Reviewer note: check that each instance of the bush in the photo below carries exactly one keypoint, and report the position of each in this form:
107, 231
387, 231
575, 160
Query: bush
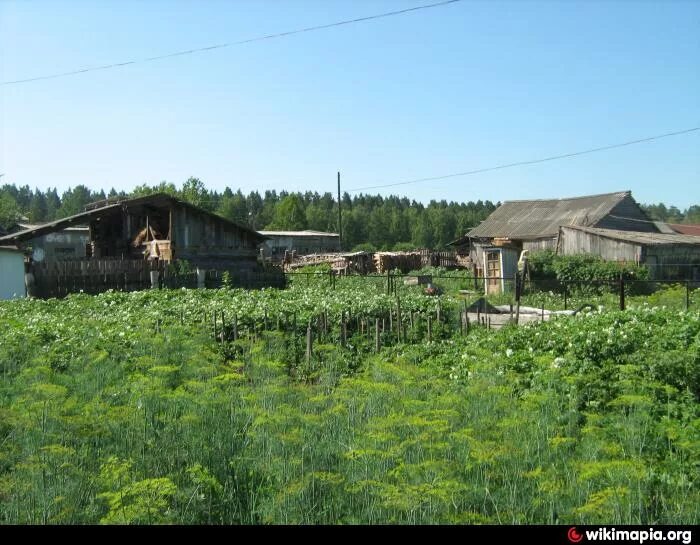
404, 247
365, 247
584, 272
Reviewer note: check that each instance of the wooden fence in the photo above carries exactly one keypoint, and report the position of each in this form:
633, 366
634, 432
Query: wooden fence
447, 259
59, 278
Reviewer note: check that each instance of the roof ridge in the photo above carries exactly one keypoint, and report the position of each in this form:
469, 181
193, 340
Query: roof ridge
621, 194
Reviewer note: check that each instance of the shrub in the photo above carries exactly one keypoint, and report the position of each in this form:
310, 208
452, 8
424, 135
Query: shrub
584, 272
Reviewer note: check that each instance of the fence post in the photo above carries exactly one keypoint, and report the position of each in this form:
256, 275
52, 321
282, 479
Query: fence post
622, 292
376, 335
687, 294
398, 318
565, 297
309, 342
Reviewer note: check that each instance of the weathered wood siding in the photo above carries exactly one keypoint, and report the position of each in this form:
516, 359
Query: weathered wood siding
202, 238
673, 261
627, 216
573, 241
540, 244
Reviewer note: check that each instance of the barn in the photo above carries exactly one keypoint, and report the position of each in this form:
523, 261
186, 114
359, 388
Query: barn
156, 227
496, 243
667, 256
130, 238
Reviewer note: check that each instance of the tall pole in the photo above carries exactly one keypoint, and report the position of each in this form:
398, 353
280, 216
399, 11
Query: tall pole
340, 217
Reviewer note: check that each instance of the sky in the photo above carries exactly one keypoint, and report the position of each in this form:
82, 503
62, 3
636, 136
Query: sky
465, 86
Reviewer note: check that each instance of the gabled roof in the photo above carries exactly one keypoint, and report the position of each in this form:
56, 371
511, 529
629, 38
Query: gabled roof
637, 237
542, 218
157, 199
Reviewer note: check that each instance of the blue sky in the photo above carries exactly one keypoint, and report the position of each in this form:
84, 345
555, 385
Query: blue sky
465, 86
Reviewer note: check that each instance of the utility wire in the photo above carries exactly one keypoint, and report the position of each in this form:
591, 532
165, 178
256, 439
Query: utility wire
231, 44
523, 163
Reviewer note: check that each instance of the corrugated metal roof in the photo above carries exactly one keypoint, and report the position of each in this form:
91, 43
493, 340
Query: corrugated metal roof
686, 229
542, 218
637, 237
297, 234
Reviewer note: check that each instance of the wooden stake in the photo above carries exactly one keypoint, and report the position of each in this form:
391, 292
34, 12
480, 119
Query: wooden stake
309, 343
398, 318
376, 335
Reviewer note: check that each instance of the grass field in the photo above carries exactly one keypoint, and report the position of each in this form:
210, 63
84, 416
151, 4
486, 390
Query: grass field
123, 408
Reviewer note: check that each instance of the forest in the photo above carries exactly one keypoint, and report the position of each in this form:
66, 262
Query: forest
370, 222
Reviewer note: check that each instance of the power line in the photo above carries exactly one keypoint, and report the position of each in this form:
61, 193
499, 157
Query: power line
523, 163
231, 44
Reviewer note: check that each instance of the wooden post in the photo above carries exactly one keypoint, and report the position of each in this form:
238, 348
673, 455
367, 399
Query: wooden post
542, 316
343, 331
622, 292
467, 322
265, 321
223, 327
235, 327
518, 290
376, 335
309, 342
687, 294
398, 318
430, 328
566, 297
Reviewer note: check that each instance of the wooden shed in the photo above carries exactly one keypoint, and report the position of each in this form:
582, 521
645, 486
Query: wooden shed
278, 243
534, 224
668, 256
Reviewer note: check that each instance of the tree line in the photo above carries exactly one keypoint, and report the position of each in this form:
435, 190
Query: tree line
369, 221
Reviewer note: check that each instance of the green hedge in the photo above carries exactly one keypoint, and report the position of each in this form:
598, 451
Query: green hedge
583, 272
